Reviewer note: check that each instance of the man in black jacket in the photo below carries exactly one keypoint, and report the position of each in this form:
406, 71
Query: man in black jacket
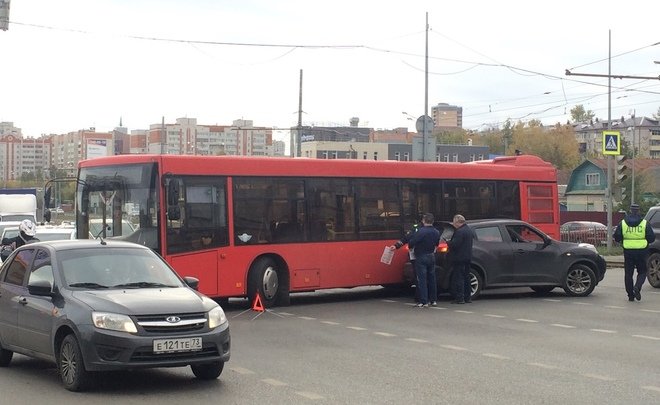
425, 242
460, 257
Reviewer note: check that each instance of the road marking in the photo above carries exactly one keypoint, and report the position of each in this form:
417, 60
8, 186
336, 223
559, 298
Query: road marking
603, 330
650, 310
651, 388
389, 301
385, 334
307, 318
614, 307
599, 377
241, 370
275, 383
460, 311
355, 328
309, 395
330, 323
496, 356
582, 303
526, 320
438, 308
494, 316
559, 325
551, 300
646, 337
417, 340
285, 313
452, 347
542, 365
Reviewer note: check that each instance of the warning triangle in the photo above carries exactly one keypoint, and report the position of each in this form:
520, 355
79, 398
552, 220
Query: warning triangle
257, 305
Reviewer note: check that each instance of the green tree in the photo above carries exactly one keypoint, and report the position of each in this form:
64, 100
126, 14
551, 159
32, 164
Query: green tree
556, 145
579, 114
493, 140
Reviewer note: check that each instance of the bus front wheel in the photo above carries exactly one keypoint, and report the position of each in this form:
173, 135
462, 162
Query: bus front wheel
266, 279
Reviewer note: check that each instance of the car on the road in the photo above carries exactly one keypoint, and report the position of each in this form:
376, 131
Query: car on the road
594, 233
100, 305
652, 218
513, 253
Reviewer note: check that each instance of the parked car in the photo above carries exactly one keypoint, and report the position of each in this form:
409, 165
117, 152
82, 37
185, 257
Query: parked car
100, 305
513, 253
652, 218
584, 231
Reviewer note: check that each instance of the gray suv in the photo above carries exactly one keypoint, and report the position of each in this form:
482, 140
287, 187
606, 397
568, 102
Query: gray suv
652, 218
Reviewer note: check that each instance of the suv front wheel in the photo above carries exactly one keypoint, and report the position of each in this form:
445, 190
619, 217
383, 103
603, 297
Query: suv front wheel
653, 266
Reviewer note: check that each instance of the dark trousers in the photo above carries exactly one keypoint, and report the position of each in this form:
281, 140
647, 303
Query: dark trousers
634, 258
462, 290
427, 286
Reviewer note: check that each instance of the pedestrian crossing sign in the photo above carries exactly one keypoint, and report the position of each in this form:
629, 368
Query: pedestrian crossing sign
611, 143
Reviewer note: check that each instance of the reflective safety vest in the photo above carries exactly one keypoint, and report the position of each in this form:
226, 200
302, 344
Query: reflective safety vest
634, 237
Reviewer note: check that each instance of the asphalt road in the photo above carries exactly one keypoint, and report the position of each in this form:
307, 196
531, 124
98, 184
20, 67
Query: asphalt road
366, 346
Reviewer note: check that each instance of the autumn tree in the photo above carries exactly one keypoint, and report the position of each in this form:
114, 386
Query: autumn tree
579, 114
556, 145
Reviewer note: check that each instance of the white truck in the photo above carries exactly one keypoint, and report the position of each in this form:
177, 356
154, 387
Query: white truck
17, 207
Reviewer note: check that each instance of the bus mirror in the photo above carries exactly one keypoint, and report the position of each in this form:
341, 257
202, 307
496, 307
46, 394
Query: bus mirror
47, 195
173, 213
173, 191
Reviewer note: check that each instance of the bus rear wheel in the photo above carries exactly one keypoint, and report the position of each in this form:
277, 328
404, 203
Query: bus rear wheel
266, 279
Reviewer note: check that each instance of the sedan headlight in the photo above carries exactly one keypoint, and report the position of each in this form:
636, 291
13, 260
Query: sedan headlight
216, 317
118, 322
588, 246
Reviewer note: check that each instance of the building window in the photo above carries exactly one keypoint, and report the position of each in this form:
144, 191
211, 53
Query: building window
397, 155
454, 157
364, 155
481, 157
334, 155
445, 157
375, 155
406, 157
324, 155
472, 157
592, 179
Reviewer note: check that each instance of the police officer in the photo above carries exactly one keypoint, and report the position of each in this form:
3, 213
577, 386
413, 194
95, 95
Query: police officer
635, 236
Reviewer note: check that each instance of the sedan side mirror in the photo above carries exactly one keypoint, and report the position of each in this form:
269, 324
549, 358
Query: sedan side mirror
41, 288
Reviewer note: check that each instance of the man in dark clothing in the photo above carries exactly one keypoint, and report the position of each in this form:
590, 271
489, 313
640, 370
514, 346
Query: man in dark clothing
460, 257
635, 235
424, 242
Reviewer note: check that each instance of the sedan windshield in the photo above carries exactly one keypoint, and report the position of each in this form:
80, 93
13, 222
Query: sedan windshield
105, 267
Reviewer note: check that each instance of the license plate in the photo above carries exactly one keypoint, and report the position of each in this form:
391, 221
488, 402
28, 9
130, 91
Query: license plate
177, 345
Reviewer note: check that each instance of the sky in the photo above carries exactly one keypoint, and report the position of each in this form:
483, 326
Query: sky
74, 64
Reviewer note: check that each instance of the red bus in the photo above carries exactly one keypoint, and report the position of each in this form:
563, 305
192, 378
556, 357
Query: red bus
248, 225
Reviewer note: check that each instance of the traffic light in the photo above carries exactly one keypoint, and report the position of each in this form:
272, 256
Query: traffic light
621, 169
619, 193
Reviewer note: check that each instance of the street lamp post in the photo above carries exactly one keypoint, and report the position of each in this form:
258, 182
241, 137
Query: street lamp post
632, 161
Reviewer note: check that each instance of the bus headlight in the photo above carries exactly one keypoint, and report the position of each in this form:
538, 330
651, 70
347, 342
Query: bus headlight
216, 317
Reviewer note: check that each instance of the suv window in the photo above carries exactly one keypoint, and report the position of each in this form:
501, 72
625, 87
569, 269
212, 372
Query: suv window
488, 234
653, 217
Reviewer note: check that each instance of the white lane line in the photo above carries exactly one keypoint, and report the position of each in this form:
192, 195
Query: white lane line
241, 370
389, 301
309, 395
614, 307
438, 308
542, 365
355, 328
560, 325
385, 334
410, 304
330, 323
417, 340
307, 318
651, 388
599, 377
285, 313
460, 311
551, 300
650, 310
495, 356
582, 303
526, 320
603, 330
452, 347
494, 316
646, 337
274, 383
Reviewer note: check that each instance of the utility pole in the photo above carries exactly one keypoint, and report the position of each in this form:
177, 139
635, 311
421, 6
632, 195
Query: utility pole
296, 144
425, 135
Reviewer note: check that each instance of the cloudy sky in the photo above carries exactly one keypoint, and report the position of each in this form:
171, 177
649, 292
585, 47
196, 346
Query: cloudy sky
73, 64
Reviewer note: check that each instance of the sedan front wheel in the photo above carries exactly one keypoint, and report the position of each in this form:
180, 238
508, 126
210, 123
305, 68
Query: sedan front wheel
579, 281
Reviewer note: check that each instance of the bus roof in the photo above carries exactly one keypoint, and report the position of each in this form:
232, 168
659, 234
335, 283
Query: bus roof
522, 167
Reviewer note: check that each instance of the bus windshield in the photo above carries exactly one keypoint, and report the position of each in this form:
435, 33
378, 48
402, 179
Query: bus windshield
118, 202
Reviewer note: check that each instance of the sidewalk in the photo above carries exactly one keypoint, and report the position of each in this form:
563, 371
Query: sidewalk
614, 261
